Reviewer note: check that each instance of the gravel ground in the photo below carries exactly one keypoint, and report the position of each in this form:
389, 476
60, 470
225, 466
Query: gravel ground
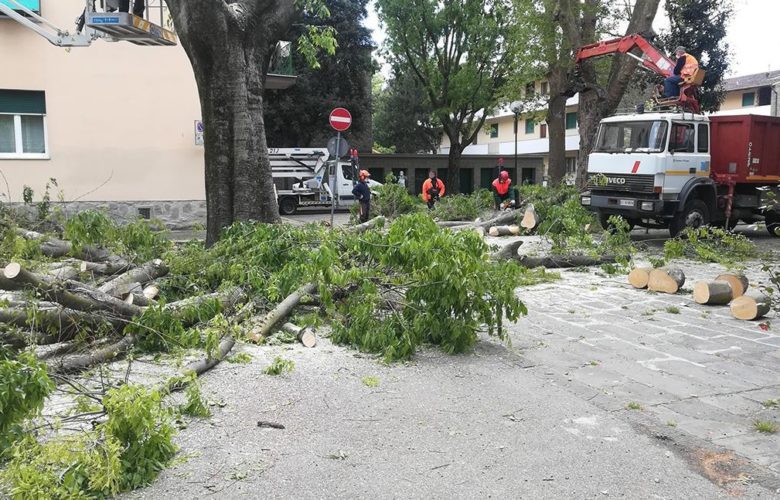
472, 426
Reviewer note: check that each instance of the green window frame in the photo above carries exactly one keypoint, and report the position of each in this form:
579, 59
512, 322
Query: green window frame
530, 126
571, 120
23, 132
748, 99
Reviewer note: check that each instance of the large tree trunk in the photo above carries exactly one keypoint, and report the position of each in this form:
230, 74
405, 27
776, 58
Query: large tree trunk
229, 46
453, 168
556, 127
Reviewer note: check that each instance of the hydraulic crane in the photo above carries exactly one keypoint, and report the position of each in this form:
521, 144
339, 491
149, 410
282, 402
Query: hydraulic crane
652, 59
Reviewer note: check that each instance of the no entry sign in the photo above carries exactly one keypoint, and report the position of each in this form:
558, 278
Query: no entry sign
340, 119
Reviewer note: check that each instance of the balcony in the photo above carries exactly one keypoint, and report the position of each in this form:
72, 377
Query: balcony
280, 71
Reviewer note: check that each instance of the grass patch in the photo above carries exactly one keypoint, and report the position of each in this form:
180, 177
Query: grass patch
766, 427
279, 366
242, 358
633, 405
370, 381
673, 310
771, 403
671, 423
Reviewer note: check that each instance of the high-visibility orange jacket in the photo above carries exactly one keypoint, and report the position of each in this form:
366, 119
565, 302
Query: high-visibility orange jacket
502, 188
691, 65
427, 185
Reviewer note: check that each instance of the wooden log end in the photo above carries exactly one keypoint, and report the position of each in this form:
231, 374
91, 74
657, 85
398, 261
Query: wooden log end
639, 276
739, 283
12, 270
307, 337
750, 307
666, 280
712, 292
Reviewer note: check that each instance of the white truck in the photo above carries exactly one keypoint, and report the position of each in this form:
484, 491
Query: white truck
302, 178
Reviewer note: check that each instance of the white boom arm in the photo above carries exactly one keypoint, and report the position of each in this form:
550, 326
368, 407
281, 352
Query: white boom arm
51, 32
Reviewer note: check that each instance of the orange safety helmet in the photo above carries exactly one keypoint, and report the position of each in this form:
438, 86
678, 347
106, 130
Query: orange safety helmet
364, 174
504, 175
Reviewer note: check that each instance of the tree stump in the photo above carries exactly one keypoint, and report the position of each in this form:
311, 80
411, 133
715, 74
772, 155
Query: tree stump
739, 283
751, 306
666, 280
639, 277
530, 218
712, 292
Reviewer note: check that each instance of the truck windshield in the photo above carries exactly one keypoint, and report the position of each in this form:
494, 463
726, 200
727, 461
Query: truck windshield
632, 137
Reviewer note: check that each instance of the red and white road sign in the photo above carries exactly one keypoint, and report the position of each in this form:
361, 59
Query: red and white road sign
340, 119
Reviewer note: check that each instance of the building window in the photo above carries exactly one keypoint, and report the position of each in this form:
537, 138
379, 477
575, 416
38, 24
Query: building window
530, 89
571, 120
748, 99
23, 124
493, 130
765, 96
543, 130
545, 88
529, 126
571, 166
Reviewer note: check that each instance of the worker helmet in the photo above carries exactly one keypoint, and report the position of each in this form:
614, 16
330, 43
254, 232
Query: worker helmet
504, 175
364, 174
680, 48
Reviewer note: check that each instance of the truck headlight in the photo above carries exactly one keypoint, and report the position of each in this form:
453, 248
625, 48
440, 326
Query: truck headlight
647, 205
585, 200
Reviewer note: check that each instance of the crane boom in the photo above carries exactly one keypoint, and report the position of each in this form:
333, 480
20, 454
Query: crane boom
651, 57
58, 37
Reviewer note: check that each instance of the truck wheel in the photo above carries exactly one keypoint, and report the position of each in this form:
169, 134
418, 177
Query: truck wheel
288, 205
604, 221
695, 215
773, 223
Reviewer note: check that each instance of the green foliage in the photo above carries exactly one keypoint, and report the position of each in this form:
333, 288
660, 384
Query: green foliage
160, 330
771, 403
195, 406
442, 290
766, 427
139, 241
13, 247
24, 385
464, 207
633, 405
772, 289
125, 452
673, 310
279, 366
710, 244
393, 200
242, 358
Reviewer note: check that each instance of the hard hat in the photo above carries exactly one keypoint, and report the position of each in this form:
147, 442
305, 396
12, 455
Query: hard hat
504, 175
364, 174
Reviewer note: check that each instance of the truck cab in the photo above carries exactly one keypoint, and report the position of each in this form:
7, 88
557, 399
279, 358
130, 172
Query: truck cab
652, 169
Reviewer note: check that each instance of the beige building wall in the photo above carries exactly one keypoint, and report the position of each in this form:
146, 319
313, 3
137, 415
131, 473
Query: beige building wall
116, 113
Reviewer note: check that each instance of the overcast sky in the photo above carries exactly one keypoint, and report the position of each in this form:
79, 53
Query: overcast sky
752, 36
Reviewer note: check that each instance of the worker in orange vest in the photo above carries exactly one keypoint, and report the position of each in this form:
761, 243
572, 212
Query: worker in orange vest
432, 189
501, 187
686, 67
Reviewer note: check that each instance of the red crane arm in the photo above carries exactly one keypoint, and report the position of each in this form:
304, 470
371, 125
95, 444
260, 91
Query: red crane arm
650, 56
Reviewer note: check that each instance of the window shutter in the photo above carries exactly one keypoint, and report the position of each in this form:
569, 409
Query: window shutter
23, 101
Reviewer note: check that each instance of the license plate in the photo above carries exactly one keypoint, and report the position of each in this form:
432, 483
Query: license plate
626, 203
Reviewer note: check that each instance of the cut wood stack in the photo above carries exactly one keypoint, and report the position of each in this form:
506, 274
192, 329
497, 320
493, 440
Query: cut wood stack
666, 280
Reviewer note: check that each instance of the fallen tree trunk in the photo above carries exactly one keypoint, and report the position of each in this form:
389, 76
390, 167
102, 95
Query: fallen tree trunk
138, 299
751, 306
283, 309
451, 223
530, 218
362, 228
564, 261
739, 283
504, 231
151, 292
52, 324
305, 335
507, 251
79, 362
666, 280
112, 266
639, 277
198, 368
144, 273
71, 294
226, 299
64, 273
55, 248
712, 292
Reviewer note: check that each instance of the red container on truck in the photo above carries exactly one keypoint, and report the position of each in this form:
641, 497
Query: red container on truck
746, 146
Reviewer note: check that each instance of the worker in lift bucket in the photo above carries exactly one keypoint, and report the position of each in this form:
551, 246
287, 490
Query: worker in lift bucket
685, 68
432, 189
363, 195
124, 6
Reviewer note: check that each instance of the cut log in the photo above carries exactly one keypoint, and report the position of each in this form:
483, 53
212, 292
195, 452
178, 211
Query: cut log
530, 218
138, 299
79, 362
751, 306
71, 294
712, 292
151, 292
306, 336
504, 231
450, 223
739, 283
639, 276
361, 228
64, 273
144, 273
52, 247
113, 265
52, 323
666, 280
227, 299
507, 251
501, 220
198, 368
282, 310
564, 261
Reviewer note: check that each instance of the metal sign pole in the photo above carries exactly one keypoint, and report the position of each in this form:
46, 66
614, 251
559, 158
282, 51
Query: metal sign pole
333, 181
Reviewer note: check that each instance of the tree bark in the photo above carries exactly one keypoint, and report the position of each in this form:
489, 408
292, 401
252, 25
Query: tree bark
712, 292
556, 127
142, 274
229, 46
79, 362
453, 167
279, 312
752, 306
666, 280
739, 283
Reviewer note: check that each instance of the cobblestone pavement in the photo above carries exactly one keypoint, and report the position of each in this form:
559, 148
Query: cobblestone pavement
698, 375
